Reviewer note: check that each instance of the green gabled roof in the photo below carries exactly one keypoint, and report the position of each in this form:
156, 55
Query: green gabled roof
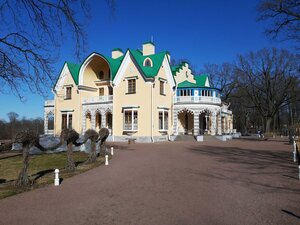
187, 84
157, 60
114, 65
200, 80
149, 42
175, 69
74, 70
117, 49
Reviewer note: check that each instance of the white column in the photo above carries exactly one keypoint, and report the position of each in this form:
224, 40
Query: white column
214, 123
45, 122
175, 121
206, 125
83, 122
103, 120
220, 123
93, 118
196, 123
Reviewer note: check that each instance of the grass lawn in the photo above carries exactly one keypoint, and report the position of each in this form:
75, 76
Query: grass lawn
41, 170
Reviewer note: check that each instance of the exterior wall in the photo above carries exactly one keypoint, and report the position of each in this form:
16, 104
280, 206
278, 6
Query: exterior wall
184, 74
141, 99
162, 101
66, 105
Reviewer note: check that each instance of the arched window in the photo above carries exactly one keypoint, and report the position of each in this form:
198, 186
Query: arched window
148, 62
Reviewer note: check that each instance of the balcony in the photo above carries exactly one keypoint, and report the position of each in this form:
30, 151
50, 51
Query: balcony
98, 99
49, 103
196, 99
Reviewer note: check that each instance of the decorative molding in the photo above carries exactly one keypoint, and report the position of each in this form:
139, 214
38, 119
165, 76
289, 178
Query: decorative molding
87, 88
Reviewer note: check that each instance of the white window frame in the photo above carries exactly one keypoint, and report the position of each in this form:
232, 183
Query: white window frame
131, 78
164, 87
164, 129
65, 90
134, 126
145, 60
68, 114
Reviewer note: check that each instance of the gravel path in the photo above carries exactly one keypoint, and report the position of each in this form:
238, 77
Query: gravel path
184, 183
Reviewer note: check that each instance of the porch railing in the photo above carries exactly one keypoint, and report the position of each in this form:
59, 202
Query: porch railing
98, 99
196, 99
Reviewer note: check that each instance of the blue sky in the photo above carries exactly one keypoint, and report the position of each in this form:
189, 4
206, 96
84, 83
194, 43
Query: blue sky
212, 31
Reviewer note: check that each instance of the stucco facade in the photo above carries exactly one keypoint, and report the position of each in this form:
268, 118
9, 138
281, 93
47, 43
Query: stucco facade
136, 94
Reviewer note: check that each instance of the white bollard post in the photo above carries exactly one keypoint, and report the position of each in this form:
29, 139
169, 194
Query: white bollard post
112, 150
295, 148
299, 171
106, 160
56, 179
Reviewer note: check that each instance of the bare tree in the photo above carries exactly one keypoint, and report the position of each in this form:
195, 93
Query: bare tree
70, 136
222, 77
285, 18
27, 139
32, 31
93, 136
103, 135
266, 77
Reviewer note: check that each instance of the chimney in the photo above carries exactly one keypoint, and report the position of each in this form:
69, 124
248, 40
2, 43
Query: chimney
148, 48
116, 53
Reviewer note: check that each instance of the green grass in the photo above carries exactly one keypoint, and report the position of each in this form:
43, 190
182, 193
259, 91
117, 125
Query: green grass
41, 170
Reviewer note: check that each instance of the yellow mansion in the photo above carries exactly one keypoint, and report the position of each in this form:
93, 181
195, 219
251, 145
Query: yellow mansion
135, 94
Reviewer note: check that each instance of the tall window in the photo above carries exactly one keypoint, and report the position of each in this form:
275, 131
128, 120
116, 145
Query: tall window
66, 121
130, 120
68, 93
50, 121
110, 90
163, 120
131, 86
162, 87
70, 121
101, 91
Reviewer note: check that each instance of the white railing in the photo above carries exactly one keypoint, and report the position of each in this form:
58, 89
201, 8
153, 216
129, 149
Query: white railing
49, 103
98, 99
196, 99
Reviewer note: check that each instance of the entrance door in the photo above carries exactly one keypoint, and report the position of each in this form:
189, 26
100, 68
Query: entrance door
185, 122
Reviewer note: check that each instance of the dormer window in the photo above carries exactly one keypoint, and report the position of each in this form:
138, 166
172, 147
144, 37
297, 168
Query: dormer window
100, 75
148, 62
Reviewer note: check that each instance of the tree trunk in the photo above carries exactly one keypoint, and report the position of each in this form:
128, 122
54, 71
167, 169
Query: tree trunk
23, 179
70, 165
268, 124
93, 155
103, 148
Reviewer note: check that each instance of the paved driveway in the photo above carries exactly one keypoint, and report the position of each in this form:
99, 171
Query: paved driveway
234, 182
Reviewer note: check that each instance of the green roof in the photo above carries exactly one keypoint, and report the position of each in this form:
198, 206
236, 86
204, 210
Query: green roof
175, 69
74, 70
114, 65
149, 42
200, 82
117, 49
157, 60
187, 84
